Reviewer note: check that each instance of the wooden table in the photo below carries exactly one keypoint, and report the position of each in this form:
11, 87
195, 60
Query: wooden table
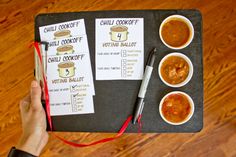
218, 137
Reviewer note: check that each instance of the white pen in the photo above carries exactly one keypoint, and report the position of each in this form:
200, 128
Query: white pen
139, 104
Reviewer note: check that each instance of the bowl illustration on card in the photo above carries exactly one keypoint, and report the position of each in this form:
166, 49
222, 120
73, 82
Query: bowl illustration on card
119, 33
62, 34
65, 49
66, 69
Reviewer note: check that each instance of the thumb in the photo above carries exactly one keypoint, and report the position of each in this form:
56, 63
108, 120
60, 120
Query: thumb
35, 96
24, 105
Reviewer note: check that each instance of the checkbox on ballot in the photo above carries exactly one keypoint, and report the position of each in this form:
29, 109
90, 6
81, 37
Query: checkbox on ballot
123, 53
73, 88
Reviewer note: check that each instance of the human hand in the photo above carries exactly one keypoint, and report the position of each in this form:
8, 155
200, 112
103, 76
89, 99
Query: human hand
33, 116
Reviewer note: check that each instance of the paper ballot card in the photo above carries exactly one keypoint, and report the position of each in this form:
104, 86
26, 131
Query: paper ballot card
69, 84
62, 30
68, 68
119, 48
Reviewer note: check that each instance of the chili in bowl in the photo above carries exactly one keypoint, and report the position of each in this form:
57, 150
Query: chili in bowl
176, 108
176, 32
175, 69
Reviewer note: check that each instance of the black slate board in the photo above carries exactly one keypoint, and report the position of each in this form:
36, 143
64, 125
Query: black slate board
114, 100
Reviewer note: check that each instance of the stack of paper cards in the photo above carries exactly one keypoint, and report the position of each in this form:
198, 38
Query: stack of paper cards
119, 48
68, 68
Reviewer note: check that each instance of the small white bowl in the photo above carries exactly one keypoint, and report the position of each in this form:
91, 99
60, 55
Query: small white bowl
191, 104
190, 73
184, 19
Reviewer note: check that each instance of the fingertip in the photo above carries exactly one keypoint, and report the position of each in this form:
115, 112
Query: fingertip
35, 88
35, 96
34, 84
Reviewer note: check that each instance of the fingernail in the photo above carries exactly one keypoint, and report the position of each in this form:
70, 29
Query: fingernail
23, 102
34, 84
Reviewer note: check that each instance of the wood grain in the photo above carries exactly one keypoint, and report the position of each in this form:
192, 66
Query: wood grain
218, 137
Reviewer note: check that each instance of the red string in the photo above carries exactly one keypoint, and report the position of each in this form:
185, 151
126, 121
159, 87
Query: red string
139, 123
121, 131
36, 45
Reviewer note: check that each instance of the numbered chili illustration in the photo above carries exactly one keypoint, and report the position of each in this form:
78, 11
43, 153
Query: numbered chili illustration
66, 69
119, 33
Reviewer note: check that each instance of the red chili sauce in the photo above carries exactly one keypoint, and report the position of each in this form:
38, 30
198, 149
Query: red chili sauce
176, 108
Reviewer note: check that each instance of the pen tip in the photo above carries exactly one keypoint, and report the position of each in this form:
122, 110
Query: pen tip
154, 51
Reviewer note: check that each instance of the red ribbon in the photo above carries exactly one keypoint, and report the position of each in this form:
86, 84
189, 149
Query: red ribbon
139, 123
36, 45
121, 131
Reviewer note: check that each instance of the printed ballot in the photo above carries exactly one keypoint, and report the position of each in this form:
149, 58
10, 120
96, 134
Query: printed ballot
67, 67
119, 42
